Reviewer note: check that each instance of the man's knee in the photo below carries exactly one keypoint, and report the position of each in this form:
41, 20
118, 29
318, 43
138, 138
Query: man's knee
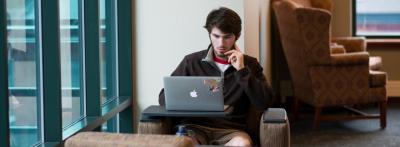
239, 141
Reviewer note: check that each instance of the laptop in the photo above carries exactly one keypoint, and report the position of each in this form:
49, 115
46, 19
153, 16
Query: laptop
193, 93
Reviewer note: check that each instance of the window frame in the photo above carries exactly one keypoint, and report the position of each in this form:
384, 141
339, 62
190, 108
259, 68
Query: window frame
124, 59
51, 69
354, 26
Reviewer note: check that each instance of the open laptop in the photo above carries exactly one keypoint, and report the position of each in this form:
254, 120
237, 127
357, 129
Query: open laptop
193, 93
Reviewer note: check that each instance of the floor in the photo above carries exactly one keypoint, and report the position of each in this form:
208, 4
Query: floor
356, 133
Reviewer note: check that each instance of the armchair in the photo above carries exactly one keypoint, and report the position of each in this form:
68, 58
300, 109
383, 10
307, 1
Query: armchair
273, 131
322, 77
349, 44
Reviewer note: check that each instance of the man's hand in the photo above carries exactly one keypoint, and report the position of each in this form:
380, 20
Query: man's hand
235, 57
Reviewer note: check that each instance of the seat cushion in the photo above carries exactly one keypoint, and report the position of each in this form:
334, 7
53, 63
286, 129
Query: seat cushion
377, 78
100, 139
375, 63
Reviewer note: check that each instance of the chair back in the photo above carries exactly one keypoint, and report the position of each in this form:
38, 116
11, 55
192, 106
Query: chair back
322, 4
305, 36
293, 46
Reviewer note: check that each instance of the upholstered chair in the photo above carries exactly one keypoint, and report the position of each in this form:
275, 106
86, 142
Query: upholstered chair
268, 131
342, 44
323, 73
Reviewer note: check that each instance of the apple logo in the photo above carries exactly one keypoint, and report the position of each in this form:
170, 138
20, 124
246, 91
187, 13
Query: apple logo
193, 94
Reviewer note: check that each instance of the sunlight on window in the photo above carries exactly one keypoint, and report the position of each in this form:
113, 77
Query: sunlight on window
107, 51
23, 100
71, 56
378, 18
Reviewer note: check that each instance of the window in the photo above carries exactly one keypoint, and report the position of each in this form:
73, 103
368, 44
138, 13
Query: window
376, 18
70, 57
107, 50
24, 106
63, 66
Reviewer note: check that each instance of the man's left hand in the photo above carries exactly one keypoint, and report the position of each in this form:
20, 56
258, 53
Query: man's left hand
235, 57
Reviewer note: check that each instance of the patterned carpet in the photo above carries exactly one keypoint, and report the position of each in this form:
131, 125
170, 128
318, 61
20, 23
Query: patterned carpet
356, 133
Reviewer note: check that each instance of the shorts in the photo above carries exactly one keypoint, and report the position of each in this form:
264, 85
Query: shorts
213, 136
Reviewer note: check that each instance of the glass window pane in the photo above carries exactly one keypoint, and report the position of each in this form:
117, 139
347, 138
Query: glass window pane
378, 18
70, 56
23, 99
107, 51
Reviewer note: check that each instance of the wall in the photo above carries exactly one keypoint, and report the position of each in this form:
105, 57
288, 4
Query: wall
265, 37
165, 32
257, 29
251, 30
341, 18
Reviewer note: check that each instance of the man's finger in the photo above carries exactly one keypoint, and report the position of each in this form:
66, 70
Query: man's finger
230, 52
232, 58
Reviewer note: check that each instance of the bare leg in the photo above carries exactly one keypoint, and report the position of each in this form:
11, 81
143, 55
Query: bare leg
239, 141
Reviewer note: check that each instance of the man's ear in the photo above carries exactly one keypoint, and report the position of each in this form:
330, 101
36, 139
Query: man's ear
237, 36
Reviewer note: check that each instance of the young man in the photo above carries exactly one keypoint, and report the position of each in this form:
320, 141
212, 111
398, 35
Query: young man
244, 83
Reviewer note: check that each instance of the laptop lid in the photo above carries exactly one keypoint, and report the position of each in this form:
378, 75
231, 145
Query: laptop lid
193, 93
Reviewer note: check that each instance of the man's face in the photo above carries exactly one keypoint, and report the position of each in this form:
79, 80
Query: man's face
222, 42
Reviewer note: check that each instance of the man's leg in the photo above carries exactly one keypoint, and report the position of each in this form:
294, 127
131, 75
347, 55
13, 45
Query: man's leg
216, 136
230, 137
197, 135
194, 140
239, 139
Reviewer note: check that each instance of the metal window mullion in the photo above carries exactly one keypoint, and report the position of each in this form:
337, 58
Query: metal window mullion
4, 116
92, 59
124, 27
51, 71
110, 54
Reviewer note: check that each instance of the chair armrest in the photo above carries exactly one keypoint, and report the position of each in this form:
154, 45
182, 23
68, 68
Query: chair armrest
98, 139
337, 49
350, 58
352, 44
154, 126
274, 128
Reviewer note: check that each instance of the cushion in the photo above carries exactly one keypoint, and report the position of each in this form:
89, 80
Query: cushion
377, 78
375, 63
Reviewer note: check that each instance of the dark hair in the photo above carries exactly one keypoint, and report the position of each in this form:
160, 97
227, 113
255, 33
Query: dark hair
227, 20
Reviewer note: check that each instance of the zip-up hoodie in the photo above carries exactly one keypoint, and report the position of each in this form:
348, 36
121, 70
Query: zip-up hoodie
242, 89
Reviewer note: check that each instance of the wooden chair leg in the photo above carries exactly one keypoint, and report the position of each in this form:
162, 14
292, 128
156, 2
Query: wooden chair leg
383, 111
317, 116
296, 108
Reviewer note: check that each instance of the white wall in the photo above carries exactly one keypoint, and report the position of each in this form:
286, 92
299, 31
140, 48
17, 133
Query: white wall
265, 37
166, 30
252, 28
257, 15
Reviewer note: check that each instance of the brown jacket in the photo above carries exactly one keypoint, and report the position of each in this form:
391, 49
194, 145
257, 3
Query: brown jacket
242, 88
